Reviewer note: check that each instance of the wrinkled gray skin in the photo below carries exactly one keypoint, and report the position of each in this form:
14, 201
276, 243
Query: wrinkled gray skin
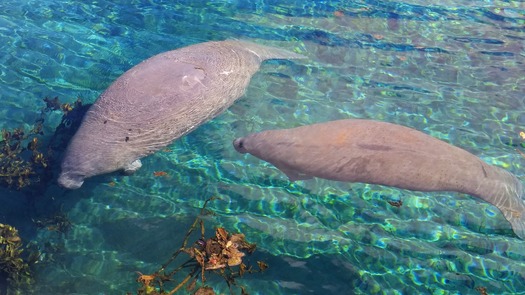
158, 101
386, 154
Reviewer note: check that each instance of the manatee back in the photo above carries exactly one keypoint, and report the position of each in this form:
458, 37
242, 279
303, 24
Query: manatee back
171, 94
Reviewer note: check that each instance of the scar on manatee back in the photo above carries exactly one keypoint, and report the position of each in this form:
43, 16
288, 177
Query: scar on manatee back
484, 171
374, 147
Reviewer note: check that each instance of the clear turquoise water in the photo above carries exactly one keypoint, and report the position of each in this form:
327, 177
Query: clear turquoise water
453, 69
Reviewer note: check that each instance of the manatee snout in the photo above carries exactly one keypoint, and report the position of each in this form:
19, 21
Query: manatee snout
238, 144
70, 180
74, 169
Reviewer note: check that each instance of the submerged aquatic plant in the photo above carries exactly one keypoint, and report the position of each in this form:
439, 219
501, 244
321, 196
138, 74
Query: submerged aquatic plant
14, 270
58, 222
20, 159
221, 254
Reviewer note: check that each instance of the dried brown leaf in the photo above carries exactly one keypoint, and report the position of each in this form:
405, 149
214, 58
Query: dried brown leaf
222, 234
262, 265
242, 269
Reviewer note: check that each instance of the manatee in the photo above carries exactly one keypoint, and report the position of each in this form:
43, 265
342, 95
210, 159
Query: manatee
158, 101
382, 153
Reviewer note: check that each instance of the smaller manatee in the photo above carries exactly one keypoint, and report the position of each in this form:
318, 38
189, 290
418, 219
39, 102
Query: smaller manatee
387, 154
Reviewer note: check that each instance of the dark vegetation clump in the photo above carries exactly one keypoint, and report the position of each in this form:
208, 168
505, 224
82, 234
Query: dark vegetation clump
28, 158
15, 273
58, 222
17, 260
21, 161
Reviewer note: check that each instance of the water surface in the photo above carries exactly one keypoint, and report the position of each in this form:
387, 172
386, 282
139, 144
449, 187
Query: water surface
452, 69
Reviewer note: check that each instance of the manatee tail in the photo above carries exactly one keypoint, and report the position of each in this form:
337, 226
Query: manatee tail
516, 214
510, 201
266, 52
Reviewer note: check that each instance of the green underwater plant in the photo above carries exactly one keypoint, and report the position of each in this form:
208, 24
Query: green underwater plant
14, 270
221, 254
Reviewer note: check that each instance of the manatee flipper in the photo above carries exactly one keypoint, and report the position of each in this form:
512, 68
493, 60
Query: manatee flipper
294, 175
509, 199
132, 167
517, 221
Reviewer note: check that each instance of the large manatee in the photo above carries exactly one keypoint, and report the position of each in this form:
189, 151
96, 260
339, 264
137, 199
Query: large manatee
383, 153
158, 101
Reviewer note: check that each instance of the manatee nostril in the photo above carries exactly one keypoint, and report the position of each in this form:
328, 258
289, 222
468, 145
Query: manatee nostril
238, 144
